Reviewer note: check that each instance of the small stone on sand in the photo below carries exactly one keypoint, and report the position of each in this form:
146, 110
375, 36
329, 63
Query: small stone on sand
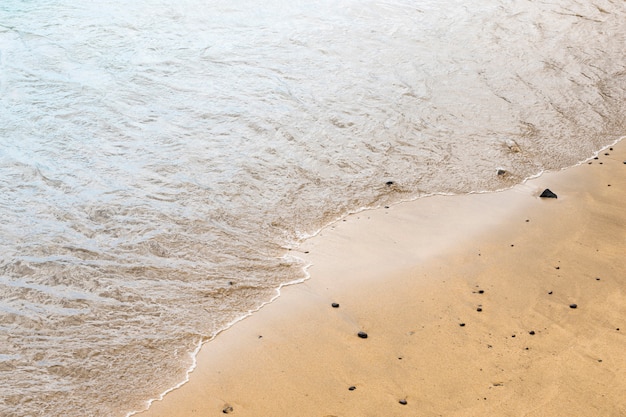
547, 194
403, 402
462, 324
532, 332
335, 305
362, 335
573, 305
228, 409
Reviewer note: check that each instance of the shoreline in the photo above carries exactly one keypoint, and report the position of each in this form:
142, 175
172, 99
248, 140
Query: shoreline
436, 254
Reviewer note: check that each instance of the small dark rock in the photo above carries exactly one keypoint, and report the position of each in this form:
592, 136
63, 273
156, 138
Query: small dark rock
547, 194
573, 305
501, 172
362, 335
610, 149
352, 388
481, 291
595, 157
462, 324
550, 292
597, 279
403, 402
389, 183
532, 332
335, 305
479, 309
228, 409
607, 154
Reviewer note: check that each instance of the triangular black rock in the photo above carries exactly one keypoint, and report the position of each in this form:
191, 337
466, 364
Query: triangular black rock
548, 194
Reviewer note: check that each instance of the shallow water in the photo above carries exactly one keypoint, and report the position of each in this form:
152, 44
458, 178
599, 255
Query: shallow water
159, 160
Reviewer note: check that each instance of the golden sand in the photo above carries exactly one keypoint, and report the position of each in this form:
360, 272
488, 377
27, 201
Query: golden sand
467, 302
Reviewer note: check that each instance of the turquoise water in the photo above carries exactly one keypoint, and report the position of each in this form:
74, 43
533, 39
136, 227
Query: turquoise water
160, 161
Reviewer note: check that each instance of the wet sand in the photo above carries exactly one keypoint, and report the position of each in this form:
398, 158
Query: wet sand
502, 304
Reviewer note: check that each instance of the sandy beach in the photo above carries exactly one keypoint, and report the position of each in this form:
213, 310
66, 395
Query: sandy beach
496, 304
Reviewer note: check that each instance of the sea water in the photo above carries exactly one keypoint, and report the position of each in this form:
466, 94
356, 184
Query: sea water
161, 160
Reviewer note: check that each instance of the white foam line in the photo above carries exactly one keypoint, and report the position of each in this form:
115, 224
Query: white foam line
307, 275
194, 354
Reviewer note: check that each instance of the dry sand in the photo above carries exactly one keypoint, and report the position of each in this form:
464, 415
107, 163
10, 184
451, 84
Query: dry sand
466, 304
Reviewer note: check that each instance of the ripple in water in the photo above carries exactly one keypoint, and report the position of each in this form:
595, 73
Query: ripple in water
159, 159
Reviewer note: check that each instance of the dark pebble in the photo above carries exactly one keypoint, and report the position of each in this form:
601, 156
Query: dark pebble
597, 279
532, 332
362, 335
501, 172
607, 154
547, 194
557, 267
479, 309
527, 220
403, 402
387, 207
573, 305
550, 292
335, 305
481, 291
228, 409
389, 183
595, 157
462, 324
610, 149
352, 388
